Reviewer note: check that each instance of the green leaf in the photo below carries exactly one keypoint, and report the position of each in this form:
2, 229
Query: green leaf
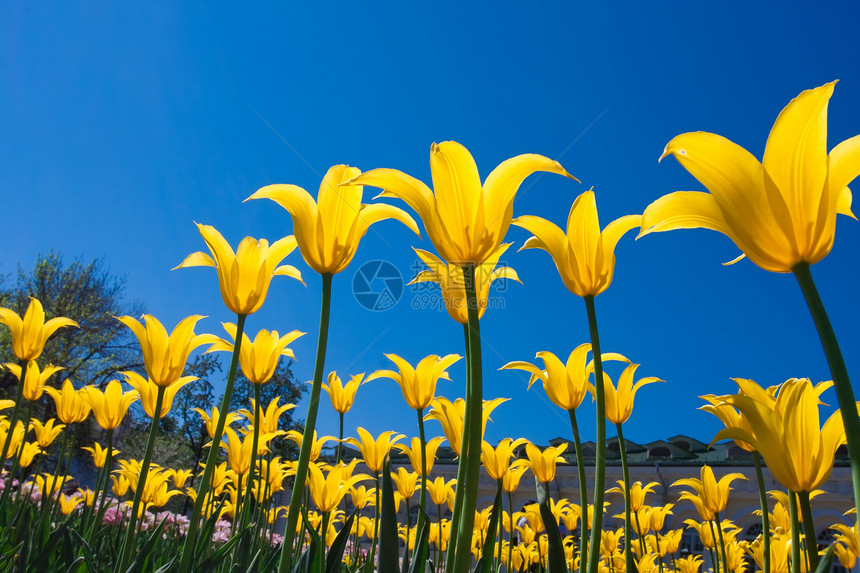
422, 546
88, 556
212, 562
485, 562
389, 542
335, 554
555, 548
144, 552
826, 560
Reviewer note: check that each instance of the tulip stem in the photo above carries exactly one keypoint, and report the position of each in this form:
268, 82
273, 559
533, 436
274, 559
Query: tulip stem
841, 381
765, 518
600, 446
310, 425
249, 487
628, 529
795, 533
722, 542
126, 553
715, 553
583, 492
808, 530
339, 440
471, 447
13, 420
189, 549
100, 513
422, 495
451, 551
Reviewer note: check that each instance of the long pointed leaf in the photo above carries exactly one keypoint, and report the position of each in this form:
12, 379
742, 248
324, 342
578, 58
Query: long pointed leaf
555, 549
422, 547
490, 544
335, 554
145, 551
389, 542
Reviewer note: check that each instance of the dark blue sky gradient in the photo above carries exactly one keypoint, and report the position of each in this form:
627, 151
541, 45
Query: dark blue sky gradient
122, 125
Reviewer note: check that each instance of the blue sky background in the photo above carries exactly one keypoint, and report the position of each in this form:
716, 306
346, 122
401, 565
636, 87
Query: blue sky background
122, 125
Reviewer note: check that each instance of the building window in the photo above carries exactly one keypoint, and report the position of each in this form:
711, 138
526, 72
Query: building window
682, 444
660, 452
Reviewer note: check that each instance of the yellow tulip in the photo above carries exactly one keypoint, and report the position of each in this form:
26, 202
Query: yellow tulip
566, 385
164, 356
269, 416
637, 493
17, 437
28, 452
671, 541
778, 212
258, 359
111, 406
452, 281
450, 415
374, 451
46, 433
418, 384
68, 504
413, 452
658, 516
543, 463
511, 478
180, 477
34, 380
148, 392
846, 557
584, 256
72, 406
619, 402
210, 421
316, 447
848, 547
342, 396
711, 495
465, 221
244, 276
328, 230
405, 481
121, 485
689, 564
497, 461
30, 333
362, 496
440, 490
99, 454
48, 484
797, 450
239, 450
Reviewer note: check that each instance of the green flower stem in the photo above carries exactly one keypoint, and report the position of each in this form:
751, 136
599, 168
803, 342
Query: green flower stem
339, 440
628, 529
808, 530
722, 542
249, 487
471, 454
461, 478
189, 548
46, 506
321, 549
841, 381
102, 507
795, 532
583, 492
310, 425
765, 518
126, 553
13, 420
511, 532
600, 453
422, 495
715, 555
372, 553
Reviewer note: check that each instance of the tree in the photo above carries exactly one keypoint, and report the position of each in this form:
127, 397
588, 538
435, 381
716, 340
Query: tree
91, 296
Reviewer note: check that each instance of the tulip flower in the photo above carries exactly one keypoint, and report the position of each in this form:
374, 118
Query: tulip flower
30, 334
497, 461
34, 380
315, 446
619, 401
374, 451
46, 433
450, 415
452, 281
413, 452
49, 484
543, 463
111, 406
68, 504
711, 495
239, 451
99, 454
342, 395
328, 231
165, 356
584, 256
259, 358
269, 416
211, 421
405, 481
418, 384
28, 452
327, 491
848, 547
72, 406
148, 392
465, 221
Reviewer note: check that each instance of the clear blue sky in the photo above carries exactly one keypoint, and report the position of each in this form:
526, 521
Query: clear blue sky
122, 125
